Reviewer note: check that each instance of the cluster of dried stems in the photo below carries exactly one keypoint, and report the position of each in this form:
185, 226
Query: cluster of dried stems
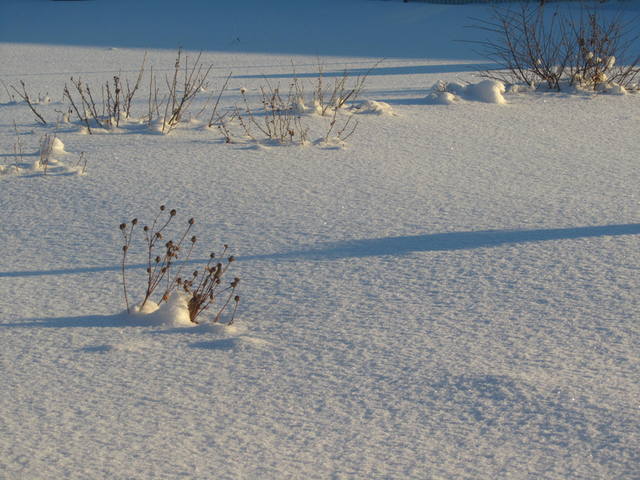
116, 99
279, 118
332, 97
203, 289
46, 147
114, 102
183, 86
561, 47
280, 115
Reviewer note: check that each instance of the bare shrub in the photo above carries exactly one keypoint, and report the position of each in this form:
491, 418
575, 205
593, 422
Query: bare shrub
116, 96
585, 48
183, 86
280, 115
600, 43
328, 97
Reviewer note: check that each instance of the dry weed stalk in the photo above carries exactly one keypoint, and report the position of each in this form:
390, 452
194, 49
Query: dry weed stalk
25, 96
18, 150
46, 148
214, 112
12, 98
194, 80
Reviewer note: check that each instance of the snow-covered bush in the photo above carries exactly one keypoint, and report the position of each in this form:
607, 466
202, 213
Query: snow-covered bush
585, 48
165, 259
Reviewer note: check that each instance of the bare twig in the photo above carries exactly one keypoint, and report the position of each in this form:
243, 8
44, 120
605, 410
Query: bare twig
25, 96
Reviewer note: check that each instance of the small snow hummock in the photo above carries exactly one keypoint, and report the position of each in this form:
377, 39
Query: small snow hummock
173, 312
488, 91
57, 146
373, 107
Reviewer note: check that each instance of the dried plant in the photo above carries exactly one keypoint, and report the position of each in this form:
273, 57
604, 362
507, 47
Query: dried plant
165, 260
326, 98
12, 98
46, 148
206, 287
279, 118
561, 47
345, 131
599, 44
178, 100
18, 149
83, 108
214, 112
82, 160
25, 97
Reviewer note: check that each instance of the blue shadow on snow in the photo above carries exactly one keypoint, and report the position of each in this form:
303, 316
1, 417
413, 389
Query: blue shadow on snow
371, 247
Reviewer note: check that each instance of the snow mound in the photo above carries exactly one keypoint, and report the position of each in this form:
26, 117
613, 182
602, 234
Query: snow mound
173, 312
373, 107
57, 147
441, 98
487, 91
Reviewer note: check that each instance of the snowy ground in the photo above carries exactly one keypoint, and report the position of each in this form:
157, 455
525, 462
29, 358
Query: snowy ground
453, 294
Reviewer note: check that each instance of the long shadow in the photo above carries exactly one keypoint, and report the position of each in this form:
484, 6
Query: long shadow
378, 71
354, 28
371, 247
460, 241
85, 321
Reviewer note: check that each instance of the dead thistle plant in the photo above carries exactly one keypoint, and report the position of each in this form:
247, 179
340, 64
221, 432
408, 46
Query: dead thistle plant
165, 260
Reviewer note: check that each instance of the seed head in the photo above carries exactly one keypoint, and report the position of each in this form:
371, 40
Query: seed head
157, 259
236, 298
134, 221
212, 255
125, 248
123, 226
232, 259
159, 235
191, 221
193, 239
162, 207
195, 273
146, 228
173, 212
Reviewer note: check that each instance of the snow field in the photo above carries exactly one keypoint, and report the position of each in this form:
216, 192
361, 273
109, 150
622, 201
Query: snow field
453, 293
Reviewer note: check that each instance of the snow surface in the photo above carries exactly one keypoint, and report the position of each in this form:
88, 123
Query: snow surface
452, 293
